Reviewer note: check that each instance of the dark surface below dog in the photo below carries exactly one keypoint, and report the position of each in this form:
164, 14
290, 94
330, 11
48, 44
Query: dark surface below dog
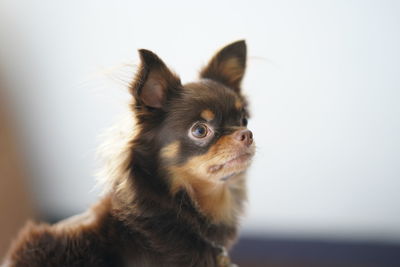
286, 252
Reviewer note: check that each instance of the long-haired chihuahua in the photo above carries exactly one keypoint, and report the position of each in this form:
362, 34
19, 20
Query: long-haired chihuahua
175, 184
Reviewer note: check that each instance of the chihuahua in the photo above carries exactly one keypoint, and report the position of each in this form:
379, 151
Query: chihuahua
176, 184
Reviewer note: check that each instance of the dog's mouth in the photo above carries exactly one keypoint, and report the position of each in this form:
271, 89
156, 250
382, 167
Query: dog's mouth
237, 164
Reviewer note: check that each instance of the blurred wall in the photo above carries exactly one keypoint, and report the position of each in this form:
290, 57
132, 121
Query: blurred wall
323, 80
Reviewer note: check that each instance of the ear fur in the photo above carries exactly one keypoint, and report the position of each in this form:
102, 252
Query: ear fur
154, 82
228, 65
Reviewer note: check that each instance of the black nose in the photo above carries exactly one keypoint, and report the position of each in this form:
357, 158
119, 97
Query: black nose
245, 136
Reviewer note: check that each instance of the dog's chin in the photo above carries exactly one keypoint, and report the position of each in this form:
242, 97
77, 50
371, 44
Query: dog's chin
232, 167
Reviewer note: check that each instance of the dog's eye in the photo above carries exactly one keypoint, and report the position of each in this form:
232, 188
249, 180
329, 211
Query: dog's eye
244, 122
199, 130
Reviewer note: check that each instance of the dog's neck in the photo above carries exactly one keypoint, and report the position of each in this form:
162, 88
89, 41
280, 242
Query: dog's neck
140, 199
138, 189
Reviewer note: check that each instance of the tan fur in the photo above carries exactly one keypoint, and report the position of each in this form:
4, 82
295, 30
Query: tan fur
238, 105
213, 196
171, 150
207, 114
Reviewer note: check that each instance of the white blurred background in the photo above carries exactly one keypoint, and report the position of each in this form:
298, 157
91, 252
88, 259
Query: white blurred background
323, 80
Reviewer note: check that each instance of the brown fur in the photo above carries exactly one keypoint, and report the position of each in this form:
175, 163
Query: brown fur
171, 199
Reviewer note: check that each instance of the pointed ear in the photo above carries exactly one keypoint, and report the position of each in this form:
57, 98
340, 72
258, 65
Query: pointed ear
228, 65
154, 82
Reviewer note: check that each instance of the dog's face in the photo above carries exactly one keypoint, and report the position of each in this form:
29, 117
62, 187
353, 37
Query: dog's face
198, 130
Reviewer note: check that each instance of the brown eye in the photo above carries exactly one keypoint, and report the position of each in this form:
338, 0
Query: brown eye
244, 122
200, 130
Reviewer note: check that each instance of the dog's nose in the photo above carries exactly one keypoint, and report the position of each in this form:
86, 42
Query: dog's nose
245, 136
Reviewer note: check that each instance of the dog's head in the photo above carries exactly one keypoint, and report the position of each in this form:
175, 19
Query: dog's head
196, 132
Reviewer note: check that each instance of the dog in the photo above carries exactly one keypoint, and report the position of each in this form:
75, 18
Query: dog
176, 185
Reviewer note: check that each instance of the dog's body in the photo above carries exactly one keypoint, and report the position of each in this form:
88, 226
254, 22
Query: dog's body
176, 185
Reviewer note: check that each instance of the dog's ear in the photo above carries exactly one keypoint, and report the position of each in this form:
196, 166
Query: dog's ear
228, 65
154, 82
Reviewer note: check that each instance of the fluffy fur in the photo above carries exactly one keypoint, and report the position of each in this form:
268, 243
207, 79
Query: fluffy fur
175, 186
